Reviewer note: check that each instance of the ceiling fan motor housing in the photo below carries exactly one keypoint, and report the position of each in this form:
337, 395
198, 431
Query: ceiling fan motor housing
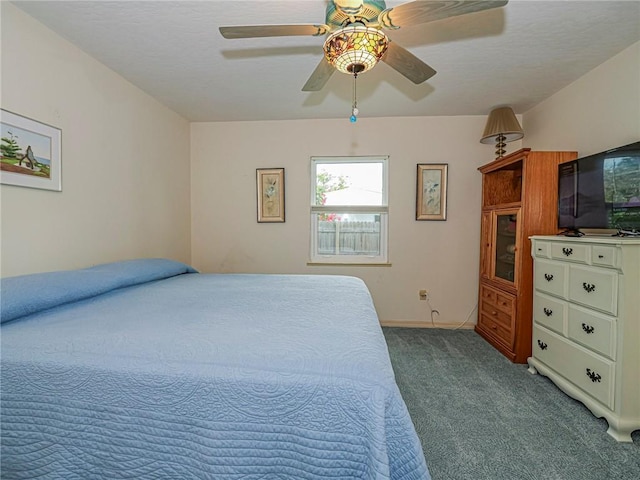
341, 13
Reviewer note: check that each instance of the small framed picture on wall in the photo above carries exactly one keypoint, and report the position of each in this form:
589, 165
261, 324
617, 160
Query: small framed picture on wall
270, 186
431, 191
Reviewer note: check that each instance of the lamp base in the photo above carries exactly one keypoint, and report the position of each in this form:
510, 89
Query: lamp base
500, 144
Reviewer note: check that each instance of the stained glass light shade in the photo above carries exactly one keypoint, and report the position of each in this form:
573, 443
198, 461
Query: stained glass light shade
355, 49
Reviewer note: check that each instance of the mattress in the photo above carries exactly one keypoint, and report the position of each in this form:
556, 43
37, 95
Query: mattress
148, 369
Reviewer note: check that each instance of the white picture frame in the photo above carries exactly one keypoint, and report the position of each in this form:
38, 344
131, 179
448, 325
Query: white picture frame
30, 153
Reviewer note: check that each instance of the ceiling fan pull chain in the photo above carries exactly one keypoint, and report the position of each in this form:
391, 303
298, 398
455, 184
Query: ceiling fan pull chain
354, 105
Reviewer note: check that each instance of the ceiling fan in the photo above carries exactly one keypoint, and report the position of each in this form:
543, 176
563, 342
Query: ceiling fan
356, 40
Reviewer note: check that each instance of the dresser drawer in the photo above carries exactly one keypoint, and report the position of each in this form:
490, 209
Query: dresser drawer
550, 312
594, 287
551, 277
589, 372
541, 249
604, 255
594, 330
573, 252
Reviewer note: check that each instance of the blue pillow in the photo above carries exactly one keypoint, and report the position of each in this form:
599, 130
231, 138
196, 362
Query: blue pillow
28, 294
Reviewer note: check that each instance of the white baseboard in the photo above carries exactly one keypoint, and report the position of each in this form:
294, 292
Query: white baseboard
419, 324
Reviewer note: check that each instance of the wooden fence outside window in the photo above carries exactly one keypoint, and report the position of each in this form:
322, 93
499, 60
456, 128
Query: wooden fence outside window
348, 238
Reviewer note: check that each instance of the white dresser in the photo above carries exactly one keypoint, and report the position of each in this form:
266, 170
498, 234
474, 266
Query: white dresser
586, 324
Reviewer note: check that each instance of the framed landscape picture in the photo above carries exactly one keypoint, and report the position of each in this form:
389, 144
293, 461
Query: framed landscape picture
270, 184
29, 153
431, 192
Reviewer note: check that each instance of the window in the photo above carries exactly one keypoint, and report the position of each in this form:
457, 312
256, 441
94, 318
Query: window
349, 209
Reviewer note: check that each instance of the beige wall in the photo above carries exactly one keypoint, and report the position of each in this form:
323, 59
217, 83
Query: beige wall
127, 192
125, 160
439, 256
598, 111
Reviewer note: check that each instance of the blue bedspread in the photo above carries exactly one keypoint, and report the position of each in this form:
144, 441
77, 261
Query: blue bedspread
202, 376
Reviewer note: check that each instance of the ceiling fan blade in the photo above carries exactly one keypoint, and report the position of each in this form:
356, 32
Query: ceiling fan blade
254, 31
414, 13
319, 77
406, 63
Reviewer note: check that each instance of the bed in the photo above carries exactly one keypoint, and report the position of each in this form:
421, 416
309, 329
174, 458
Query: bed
148, 369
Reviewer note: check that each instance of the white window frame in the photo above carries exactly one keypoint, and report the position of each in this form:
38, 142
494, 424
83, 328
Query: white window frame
382, 210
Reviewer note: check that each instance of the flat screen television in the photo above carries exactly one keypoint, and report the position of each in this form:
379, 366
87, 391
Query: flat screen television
601, 191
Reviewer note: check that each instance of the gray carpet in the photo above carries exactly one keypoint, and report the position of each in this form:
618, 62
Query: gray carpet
481, 417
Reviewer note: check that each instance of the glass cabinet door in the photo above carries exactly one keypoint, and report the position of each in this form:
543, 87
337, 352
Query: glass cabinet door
504, 245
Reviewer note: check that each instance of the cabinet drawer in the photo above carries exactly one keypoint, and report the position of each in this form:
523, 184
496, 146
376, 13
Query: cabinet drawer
500, 300
588, 371
551, 277
604, 255
503, 318
497, 329
550, 312
573, 252
593, 287
594, 330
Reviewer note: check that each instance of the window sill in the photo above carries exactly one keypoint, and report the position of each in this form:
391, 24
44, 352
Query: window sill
347, 264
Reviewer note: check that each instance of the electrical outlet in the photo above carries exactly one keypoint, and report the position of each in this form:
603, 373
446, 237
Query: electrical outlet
422, 294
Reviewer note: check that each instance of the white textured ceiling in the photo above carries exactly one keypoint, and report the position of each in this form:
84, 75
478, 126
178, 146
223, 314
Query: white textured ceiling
517, 55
